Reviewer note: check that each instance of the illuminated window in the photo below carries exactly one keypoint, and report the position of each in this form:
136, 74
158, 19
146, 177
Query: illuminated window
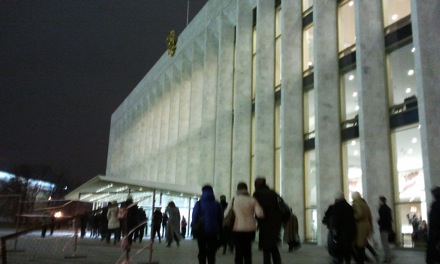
402, 80
352, 167
311, 195
309, 111
306, 4
346, 29
409, 176
308, 60
278, 48
349, 94
395, 10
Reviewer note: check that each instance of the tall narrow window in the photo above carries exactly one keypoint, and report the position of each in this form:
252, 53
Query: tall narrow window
308, 59
395, 10
309, 112
346, 29
277, 144
254, 59
306, 4
408, 173
402, 81
349, 94
352, 167
278, 48
311, 195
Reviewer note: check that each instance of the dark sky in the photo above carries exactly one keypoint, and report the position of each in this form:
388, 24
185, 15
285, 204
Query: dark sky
65, 66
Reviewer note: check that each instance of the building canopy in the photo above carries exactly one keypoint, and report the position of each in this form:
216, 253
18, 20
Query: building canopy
106, 189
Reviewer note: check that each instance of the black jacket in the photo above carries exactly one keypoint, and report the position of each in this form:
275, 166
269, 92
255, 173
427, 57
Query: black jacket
385, 218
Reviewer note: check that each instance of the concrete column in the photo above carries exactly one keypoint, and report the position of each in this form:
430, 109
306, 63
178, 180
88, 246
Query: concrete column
376, 162
184, 117
209, 102
425, 24
241, 145
223, 146
194, 173
164, 128
328, 133
173, 127
292, 142
149, 134
264, 93
157, 111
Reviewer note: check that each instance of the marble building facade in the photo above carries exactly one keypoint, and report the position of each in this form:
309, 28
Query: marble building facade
264, 87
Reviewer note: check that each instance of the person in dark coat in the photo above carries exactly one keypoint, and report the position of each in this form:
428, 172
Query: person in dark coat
157, 222
342, 228
385, 227
132, 219
433, 249
211, 214
226, 235
270, 225
141, 229
291, 235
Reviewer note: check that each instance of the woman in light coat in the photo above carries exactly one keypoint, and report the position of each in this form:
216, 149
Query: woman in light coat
243, 232
173, 225
364, 225
113, 222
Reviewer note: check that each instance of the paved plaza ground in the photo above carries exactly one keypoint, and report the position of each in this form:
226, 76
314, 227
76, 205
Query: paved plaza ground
59, 248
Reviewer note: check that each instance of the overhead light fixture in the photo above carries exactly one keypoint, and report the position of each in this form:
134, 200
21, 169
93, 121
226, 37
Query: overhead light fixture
410, 72
350, 3
408, 90
413, 49
414, 140
355, 94
353, 142
105, 187
357, 108
394, 17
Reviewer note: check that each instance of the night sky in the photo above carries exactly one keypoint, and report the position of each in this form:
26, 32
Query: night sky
65, 66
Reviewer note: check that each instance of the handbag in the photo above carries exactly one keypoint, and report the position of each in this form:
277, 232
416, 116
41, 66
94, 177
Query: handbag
197, 224
229, 220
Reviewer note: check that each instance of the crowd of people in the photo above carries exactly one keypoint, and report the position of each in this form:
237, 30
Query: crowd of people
350, 227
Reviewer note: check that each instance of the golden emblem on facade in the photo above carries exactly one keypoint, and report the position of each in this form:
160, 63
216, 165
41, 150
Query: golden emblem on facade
171, 43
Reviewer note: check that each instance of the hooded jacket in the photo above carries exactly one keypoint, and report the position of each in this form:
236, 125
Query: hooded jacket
211, 213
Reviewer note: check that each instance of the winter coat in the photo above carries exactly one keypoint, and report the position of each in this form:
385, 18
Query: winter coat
433, 250
245, 209
211, 213
173, 225
270, 225
341, 224
385, 218
291, 230
112, 216
364, 224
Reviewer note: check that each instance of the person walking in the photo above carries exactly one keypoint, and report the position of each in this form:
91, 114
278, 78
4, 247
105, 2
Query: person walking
113, 223
226, 234
157, 222
433, 249
210, 214
291, 236
183, 225
385, 227
142, 228
245, 224
270, 225
173, 226
132, 220
364, 226
164, 224
342, 228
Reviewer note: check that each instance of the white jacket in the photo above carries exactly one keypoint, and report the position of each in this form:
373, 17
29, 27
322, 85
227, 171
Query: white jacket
112, 216
245, 209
